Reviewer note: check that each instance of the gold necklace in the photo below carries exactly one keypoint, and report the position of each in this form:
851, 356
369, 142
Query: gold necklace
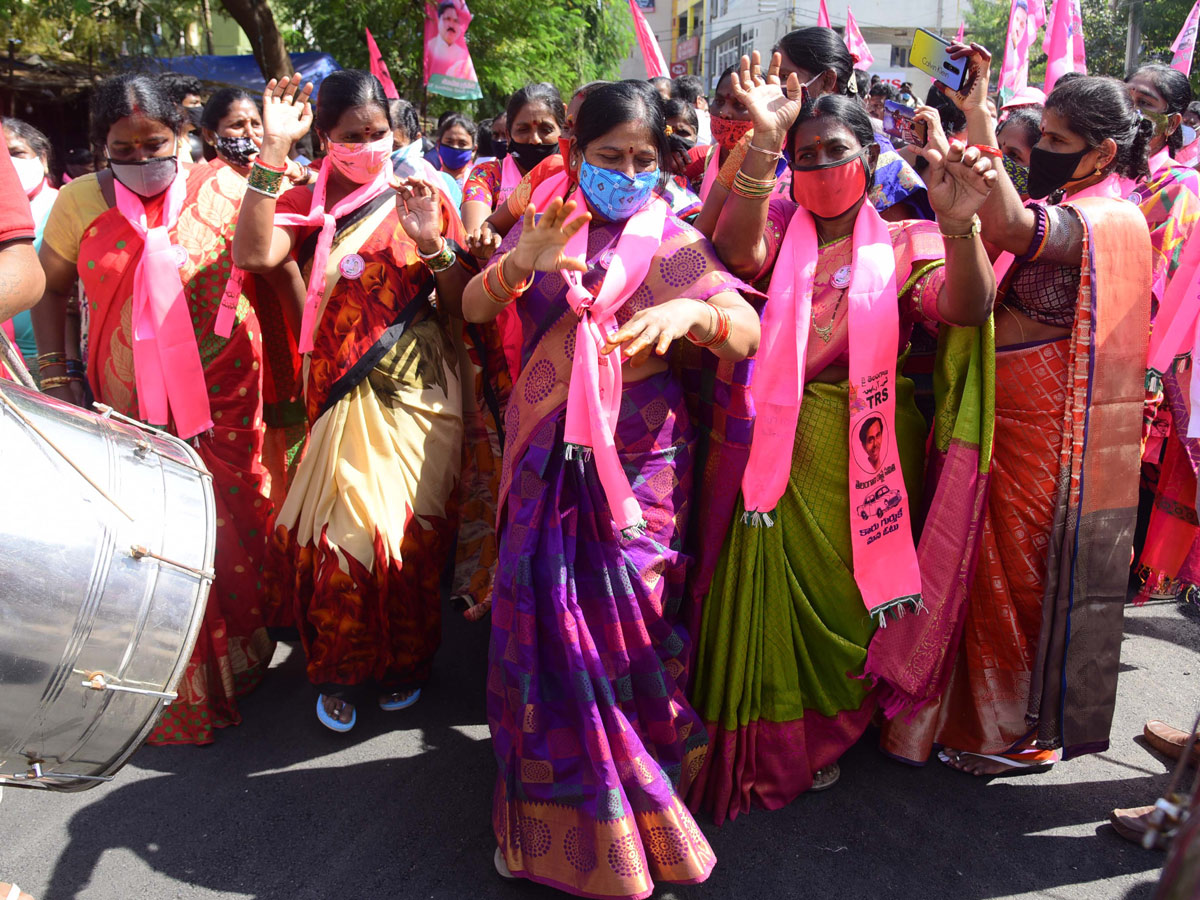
825, 332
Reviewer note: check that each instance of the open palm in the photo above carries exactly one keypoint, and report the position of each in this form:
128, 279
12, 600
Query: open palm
287, 114
959, 182
771, 108
419, 210
543, 241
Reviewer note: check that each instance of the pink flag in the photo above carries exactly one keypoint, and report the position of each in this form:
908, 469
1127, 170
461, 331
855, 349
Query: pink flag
655, 64
823, 16
1077, 37
1185, 44
1024, 20
962, 32
1059, 44
379, 68
863, 59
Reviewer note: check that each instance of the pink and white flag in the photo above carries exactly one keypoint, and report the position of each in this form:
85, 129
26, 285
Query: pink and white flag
856, 44
1024, 20
1077, 36
1062, 36
823, 16
1185, 43
655, 64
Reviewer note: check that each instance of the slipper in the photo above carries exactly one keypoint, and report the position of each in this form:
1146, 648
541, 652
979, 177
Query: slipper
832, 773
502, 866
1169, 741
1133, 825
393, 705
330, 722
1015, 766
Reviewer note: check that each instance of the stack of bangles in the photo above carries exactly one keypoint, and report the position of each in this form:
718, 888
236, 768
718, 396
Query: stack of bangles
440, 260
720, 335
266, 179
72, 367
504, 293
752, 188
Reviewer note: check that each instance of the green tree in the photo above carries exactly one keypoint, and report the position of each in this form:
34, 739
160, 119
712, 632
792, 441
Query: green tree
566, 42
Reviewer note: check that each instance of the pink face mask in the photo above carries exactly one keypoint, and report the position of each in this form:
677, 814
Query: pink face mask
361, 163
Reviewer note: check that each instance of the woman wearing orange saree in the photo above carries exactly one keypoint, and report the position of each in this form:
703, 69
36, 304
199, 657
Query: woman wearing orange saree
364, 534
1036, 672
113, 230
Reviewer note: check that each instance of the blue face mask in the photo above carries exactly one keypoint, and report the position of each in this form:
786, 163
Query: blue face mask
454, 158
614, 194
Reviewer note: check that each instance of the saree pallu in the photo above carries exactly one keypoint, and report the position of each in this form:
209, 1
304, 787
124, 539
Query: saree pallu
592, 730
233, 651
785, 634
363, 537
1041, 645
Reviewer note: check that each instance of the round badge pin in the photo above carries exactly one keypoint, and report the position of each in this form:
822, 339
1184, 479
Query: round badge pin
1135, 198
606, 257
351, 265
180, 255
841, 278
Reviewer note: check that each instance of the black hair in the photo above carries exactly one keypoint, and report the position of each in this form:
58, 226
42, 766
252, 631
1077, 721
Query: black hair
1194, 107
866, 426
728, 71
403, 116
861, 84
483, 138
850, 112
125, 95
681, 109
448, 122
536, 92
445, 5
688, 88
816, 49
659, 81
178, 85
882, 89
218, 105
1067, 76
1097, 108
610, 105
953, 119
38, 142
1175, 89
78, 156
1026, 119
346, 89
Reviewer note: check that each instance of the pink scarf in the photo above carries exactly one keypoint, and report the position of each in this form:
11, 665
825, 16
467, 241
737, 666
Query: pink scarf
594, 394
711, 170
166, 360
885, 558
327, 221
510, 177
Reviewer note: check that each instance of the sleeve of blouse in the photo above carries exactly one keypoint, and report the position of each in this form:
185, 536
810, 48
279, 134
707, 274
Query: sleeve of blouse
779, 213
482, 184
920, 269
1058, 237
64, 226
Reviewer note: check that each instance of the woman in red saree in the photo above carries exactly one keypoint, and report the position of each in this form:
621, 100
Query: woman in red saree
1036, 672
213, 397
363, 536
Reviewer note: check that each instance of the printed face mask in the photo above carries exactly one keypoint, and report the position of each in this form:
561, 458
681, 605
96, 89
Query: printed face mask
147, 177
361, 163
529, 155
1050, 171
237, 150
454, 158
31, 172
1018, 174
614, 194
727, 132
828, 191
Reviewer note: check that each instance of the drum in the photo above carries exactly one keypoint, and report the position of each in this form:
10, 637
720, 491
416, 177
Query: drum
107, 534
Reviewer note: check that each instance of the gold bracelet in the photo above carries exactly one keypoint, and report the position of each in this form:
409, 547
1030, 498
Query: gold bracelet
971, 233
773, 154
496, 298
56, 381
752, 188
513, 289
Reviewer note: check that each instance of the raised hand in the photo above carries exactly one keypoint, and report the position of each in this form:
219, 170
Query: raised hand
974, 90
287, 114
543, 241
419, 209
958, 183
772, 109
935, 137
483, 242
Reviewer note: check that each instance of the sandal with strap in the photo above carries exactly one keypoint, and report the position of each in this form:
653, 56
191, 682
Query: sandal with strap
332, 723
825, 778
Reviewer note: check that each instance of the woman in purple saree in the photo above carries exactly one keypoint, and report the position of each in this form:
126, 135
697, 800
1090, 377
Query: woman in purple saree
590, 723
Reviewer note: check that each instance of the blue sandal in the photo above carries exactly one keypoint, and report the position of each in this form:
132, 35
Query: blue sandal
394, 705
331, 723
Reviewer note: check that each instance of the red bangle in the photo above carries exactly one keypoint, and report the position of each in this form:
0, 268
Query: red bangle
995, 152
270, 168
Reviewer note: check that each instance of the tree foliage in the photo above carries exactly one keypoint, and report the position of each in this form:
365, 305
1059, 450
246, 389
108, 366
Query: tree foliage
1105, 26
566, 42
100, 30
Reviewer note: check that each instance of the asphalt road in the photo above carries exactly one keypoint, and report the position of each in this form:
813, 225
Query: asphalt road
279, 808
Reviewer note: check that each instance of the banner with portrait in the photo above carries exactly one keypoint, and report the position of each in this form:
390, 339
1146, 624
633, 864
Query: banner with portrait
448, 67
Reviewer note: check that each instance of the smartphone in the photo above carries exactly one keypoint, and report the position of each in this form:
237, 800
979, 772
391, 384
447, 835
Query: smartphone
930, 54
899, 122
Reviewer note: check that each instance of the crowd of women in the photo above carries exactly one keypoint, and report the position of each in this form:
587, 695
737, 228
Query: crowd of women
744, 447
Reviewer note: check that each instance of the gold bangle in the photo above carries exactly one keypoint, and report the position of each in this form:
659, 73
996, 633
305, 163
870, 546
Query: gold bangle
513, 289
57, 381
971, 233
499, 299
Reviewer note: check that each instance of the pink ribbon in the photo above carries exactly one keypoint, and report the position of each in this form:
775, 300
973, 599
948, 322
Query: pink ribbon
166, 360
885, 558
317, 216
711, 170
594, 394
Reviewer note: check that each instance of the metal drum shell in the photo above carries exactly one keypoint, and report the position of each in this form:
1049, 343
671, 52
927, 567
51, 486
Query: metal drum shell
85, 593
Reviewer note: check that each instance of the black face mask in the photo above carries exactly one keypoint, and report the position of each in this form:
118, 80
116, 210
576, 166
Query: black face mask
194, 114
499, 148
1050, 171
529, 155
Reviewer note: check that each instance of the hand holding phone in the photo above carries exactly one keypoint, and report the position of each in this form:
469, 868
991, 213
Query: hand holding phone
931, 54
900, 122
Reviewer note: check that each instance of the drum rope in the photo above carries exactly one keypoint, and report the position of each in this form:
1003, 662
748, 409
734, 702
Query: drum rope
14, 362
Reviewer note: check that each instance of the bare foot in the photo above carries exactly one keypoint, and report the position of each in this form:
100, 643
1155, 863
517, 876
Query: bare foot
401, 699
982, 767
338, 710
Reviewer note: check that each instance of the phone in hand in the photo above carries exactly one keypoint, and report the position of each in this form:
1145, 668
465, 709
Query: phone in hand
930, 53
899, 122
